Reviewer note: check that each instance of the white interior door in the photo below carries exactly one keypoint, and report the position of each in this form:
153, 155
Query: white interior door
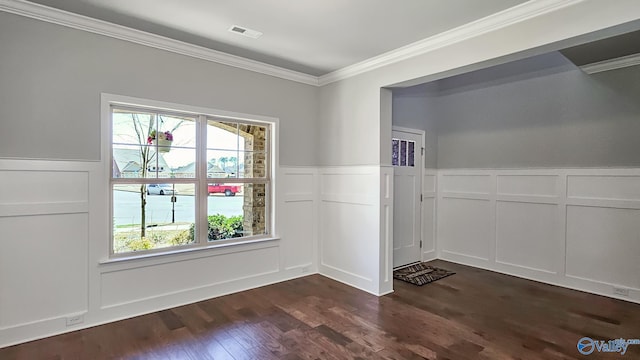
407, 184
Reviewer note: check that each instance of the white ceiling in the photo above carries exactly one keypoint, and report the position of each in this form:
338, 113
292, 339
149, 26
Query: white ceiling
310, 36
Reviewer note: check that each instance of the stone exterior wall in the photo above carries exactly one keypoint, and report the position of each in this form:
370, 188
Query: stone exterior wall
255, 166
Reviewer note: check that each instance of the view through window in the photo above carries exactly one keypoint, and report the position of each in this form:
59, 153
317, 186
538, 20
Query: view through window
182, 180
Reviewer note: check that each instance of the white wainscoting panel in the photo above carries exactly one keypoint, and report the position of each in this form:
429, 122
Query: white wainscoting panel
44, 217
350, 225
466, 183
25, 192
385, 275
526, 234
21, 186
31, 247
54, 251
464, 227
429, 219
528, 185
609, 187
603, 245
429, 228
130, 285
300, 209
429, 181
344, 245
299, 182
578, 228
300, 244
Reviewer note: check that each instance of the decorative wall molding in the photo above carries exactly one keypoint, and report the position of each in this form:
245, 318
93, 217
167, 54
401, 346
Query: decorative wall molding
549, 225
519, 13
385, 280
351, 234
527, 10
429, 212
84, 23
612, 64
300, 207
74, 221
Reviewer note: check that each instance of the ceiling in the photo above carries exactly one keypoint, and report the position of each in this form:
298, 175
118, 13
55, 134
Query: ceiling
314, 37
604, 49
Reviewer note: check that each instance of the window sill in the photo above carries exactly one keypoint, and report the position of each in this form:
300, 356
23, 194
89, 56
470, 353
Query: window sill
190, 250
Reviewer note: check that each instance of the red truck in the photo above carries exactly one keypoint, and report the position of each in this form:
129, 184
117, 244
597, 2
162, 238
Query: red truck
227, 190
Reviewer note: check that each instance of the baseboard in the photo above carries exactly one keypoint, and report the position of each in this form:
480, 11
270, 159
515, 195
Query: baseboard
429, 255
553, 283
53, 329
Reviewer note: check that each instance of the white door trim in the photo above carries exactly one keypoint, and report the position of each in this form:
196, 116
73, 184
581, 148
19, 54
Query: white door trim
422, 134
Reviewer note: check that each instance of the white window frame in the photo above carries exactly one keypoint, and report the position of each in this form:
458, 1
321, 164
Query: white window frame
201, 114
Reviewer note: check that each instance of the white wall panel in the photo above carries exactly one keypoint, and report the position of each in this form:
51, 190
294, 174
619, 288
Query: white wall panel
54, 265
385, 275
527, 235
609, 187
603, 245
530, 185
300, 211
297, 182
348, 183
43, 186
464, 227
428, 226
577, 228
334, 220
472, 184
43, 267
347, 233
25, 192
148, 282
298, 245
429, 183
350, 225
429, 214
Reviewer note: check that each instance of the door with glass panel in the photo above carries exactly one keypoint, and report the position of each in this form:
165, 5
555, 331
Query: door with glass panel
407, 183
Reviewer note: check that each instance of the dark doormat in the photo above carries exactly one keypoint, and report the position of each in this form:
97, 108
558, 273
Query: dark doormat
420, 274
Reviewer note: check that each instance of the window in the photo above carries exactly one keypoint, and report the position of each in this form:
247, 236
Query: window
403, 152
181, 180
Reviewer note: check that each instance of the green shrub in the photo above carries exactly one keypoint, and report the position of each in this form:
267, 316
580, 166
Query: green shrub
221, 227
236, 223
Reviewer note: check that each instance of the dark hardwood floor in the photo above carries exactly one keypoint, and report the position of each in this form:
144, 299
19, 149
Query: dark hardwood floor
474, 314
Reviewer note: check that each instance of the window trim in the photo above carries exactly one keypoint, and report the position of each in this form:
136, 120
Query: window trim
120, 101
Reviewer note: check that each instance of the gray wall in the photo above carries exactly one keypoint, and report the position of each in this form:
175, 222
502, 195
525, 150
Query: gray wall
416, 108
52, 77
538, 112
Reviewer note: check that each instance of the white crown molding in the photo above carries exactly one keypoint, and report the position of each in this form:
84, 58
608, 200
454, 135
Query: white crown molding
612, 64
516, 14
527, 10
75, 21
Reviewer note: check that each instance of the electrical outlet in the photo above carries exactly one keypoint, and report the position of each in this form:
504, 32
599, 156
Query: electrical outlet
75, 320
621, 291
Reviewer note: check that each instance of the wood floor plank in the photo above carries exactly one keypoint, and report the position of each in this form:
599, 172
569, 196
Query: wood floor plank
474, 315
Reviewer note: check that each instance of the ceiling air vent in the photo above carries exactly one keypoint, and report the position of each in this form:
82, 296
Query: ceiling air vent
245, 32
